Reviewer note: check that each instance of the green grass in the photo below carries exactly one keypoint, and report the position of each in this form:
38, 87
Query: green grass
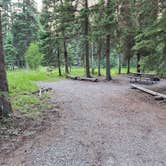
114, 71
22, 83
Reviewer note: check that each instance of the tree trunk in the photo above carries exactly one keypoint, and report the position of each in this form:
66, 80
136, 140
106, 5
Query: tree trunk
108, 74
120, 64
99, 57
66, 58
5, 105
138, 63
86, 32
108, 39
92, 54
59, 63
128, 65
129, 42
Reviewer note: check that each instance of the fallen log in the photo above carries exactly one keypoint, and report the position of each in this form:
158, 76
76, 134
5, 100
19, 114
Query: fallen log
153, 93
42, 90
71, 77
81, 78
87, 79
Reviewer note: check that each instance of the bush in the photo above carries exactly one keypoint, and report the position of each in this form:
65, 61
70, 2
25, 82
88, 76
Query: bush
33, 56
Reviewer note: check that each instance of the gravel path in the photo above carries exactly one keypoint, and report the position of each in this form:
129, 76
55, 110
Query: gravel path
102, 124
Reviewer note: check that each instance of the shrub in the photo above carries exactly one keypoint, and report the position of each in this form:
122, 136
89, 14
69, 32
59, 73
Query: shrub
33, 56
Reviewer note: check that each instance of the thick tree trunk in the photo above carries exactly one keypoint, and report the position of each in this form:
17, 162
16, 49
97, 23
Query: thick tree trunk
5, 106
66, 57
59, 63
138, 63
99, 57
108, 68
86, 32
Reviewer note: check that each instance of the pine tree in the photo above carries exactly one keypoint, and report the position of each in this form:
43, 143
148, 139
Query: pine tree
86, 41
150, 39
24, 28
5, 106
46, 37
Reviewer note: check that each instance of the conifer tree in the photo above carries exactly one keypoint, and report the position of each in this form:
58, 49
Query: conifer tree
24, 28
5, 105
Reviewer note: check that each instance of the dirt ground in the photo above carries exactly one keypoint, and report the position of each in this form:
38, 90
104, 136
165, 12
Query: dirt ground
101, 124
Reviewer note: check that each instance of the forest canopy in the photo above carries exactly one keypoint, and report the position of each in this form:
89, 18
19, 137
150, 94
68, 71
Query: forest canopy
94, 34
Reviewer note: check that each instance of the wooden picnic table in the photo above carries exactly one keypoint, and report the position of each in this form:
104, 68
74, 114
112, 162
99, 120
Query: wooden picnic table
144, 74
142, 77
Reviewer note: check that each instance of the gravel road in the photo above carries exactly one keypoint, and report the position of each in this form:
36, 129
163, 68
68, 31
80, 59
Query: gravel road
101, 124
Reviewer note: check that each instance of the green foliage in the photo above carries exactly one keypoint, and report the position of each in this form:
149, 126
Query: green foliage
134, 27
9, 50
21, 85
21, 81
31, 105
24, 26
33, 56
151, 42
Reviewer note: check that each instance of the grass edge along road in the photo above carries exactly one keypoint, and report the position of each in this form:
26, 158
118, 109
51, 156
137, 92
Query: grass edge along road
22, 83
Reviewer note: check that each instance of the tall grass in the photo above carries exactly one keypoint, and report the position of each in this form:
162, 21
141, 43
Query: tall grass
24, 81
21, 84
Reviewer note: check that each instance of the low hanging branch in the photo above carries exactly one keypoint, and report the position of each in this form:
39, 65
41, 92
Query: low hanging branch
158, 96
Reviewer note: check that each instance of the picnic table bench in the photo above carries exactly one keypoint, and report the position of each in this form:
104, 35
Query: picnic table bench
145, 78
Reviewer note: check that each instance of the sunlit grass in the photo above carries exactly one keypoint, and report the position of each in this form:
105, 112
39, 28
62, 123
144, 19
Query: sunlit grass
22, 84
24, 81
114, 71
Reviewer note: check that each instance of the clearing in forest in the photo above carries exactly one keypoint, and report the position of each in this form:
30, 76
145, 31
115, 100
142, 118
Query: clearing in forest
101, 124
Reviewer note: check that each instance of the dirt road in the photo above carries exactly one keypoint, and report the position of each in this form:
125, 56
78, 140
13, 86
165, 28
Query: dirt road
101, 124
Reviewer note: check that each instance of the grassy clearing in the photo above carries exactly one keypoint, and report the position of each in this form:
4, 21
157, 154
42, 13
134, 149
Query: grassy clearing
22, 83
114, 71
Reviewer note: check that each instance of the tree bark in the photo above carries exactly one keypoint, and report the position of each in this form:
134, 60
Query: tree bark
99, 57
108, 40
92, 56
108, 68
129, 42
86, 32
59, 63
128, 64
66, 57
138, 63
5, 105
120, 64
